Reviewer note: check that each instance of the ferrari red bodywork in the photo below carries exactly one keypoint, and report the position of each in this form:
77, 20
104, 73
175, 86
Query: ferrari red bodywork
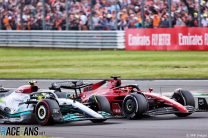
115, 93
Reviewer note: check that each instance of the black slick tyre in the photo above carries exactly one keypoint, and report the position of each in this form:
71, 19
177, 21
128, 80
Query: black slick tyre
134, 106
99, 103
44, 111
185, 98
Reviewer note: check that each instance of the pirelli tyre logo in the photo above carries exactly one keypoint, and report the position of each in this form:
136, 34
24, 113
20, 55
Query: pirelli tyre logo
20, 131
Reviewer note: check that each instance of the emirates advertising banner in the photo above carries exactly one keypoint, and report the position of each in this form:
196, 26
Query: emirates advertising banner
179, 38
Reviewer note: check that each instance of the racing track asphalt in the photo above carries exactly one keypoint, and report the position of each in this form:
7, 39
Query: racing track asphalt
166, 126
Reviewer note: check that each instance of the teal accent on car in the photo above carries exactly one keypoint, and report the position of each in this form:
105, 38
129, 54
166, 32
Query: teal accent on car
104, 114
72, 117
20, 114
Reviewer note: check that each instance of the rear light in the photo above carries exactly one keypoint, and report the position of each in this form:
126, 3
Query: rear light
116, 109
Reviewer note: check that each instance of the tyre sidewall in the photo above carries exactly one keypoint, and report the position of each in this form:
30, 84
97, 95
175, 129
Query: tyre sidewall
100, 103
141, 106
47, 119
185, 98
129, 114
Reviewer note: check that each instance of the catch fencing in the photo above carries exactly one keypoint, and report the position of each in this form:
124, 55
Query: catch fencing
63, 39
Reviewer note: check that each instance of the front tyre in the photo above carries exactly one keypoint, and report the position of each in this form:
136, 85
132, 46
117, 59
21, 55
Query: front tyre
134, 106
44, 112
185, 98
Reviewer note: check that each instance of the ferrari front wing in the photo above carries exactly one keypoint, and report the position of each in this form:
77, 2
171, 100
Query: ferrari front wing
168, 110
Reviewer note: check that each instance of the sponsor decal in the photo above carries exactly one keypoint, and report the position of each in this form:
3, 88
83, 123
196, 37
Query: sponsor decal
137, 39
161, 39
180, 38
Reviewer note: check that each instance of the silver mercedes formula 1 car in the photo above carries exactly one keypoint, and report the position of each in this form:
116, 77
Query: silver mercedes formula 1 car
27, 104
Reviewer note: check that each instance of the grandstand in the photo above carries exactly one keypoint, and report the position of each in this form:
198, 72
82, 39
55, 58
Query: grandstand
101, 14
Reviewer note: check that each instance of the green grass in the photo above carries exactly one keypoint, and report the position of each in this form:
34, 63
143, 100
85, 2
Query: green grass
66, 63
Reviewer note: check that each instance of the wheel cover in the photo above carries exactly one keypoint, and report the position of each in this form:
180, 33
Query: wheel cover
130, 106
42, 112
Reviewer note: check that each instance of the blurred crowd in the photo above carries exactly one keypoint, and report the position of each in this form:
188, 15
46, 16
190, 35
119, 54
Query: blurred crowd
105, 14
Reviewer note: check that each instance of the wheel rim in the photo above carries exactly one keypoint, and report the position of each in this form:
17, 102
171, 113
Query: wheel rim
130, 106
41, 112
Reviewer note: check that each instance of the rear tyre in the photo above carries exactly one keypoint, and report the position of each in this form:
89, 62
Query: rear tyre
184, 97
134, 106
44, 112
99, 103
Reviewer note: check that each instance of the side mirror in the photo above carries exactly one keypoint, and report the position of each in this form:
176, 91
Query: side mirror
150, 89
32, 82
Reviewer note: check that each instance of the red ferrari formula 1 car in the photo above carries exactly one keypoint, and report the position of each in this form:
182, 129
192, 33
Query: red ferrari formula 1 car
129, 100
